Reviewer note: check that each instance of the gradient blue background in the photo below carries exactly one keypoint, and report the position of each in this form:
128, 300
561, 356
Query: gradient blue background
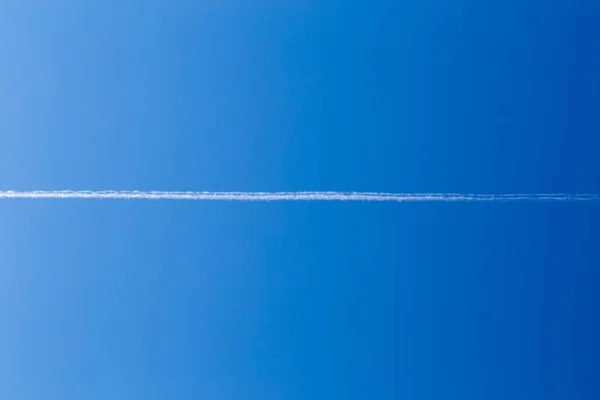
194, 300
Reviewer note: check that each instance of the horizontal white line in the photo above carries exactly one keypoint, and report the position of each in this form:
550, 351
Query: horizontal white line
294, 196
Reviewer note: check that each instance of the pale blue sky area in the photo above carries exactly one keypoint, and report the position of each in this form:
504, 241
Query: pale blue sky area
188, 300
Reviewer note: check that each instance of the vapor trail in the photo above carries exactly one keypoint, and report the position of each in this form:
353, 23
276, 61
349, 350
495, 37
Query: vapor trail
295, 196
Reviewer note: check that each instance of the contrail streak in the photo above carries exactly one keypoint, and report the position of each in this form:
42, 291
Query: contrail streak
295, 196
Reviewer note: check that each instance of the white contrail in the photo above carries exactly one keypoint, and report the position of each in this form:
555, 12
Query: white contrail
294, 196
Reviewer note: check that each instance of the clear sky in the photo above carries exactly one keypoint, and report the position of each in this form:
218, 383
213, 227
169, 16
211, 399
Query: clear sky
192, 300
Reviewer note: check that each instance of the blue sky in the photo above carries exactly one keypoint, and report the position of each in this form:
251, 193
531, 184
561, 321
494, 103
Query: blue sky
119, 299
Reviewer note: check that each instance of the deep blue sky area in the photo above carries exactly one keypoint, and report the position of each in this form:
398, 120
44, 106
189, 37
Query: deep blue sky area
194, 300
